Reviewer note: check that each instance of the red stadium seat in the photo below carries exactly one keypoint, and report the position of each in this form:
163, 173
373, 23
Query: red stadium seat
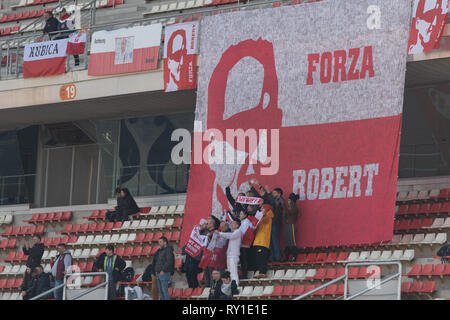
320, 274
146, 251
331, 258
415, 271
102, 214
406, 287
353, 272
429, 287
187, 293
58, 216
3, 243
426, 223
128, 252
413, 209
403, 209
10, 284
50, 216
415, 224
100, 227
120, 251
149, 237
66, 216
64, 240
343, 256
168, 235
404, 224
321, 292
10, 256
40, 229
76, 228
439, 270
299, 290
444, 194
91, 227
117, 224
94, 215
156, 236
427, 270
72, 239
177, 292
33, 219
176, 236
425, 208
139, 238
84, 228
11, 243
96, 281
288, 290
331, 273
144, 210
2, 268
3, 283
154, 249
47, 242
310, 287
445, 207
56, 241
277, 291
197, 292
42, 217
137, 251
108, 227
15, 231
321, 257
7, 232
67, 229
177, 223
310, 258
417, 287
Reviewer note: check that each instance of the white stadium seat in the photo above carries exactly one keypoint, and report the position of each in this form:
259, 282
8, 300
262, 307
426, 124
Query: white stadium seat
397, 255
429, 238
76, 254
257, 291
163, 209
268, 290
418, 238
441, 238
279, 274
85, 253
180, 208
289, 274
2, 218
205, 293
300, 274
123, 238
169, 223
402, 196
434, 193
171, 209
386, 255
94, 252
15, 269
131, 237
7, 270
143, 224
114, 238
154, 210
353, 256
160, 224
364, 255
97, 239
89, 240
408, 255
80, 241
151, 223
310, 273
375, 255
8, 219
135, 224
125, 225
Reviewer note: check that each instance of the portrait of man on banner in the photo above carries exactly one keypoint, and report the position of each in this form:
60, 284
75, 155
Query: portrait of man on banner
124, 50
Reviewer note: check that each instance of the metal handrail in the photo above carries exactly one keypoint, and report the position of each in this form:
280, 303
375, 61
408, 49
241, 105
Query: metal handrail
48, 292
79, 274
320, 287
398, 274
345, 276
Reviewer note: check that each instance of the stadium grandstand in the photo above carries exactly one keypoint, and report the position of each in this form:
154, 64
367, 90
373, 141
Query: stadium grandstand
69, 139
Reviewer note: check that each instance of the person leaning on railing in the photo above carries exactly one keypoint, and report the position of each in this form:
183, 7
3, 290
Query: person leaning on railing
51, 24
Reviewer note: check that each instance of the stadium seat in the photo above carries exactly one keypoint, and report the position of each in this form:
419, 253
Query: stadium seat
289, 275
408, 255
310, 273
89, 240
176, 236
151, 224
123, 238
320, 274
418, 238
156, 236
415, 271
146, 251
354, 256
177, 223
279, 275
441, 238
115, 238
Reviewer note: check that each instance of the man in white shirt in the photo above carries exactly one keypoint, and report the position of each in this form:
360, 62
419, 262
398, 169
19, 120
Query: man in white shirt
135, 293
233, 250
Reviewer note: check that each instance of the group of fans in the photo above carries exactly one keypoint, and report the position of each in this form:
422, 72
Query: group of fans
249, 235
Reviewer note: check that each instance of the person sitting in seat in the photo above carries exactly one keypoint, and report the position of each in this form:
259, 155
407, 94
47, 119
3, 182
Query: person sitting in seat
114, 216
129, 206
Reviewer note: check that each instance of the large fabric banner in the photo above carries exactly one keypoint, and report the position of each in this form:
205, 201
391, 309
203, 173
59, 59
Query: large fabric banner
307, 98
44, 58
428, 21
180, 56
125, 50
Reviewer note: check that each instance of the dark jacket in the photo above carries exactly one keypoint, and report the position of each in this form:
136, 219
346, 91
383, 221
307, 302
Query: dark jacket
51, 25
34, 255
234, 290
215, 292
42, 284
165, 261
28, 285
128, 205
237, 207
120, 264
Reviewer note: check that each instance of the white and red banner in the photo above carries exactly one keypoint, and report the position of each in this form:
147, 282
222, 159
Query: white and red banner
196, 242
180, 56
125, 50
249, 200
320, 103
215, 253
428, 21
44, 58
77, 43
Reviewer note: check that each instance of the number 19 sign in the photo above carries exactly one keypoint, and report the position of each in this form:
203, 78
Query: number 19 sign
68, 92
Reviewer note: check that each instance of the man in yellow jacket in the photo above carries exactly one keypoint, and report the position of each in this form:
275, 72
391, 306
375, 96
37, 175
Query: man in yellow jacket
261, 244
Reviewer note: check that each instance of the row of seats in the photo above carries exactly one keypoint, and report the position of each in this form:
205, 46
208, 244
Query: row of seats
424, 208
23, 231
50, 217
423, 195
420, 238
13, 283
10, 296
118, 226
9, 30
157, 210
341, 257
6, 218
419, 287
24, 3
8, 243
23, 15
429, 270
12, 270
416, 224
